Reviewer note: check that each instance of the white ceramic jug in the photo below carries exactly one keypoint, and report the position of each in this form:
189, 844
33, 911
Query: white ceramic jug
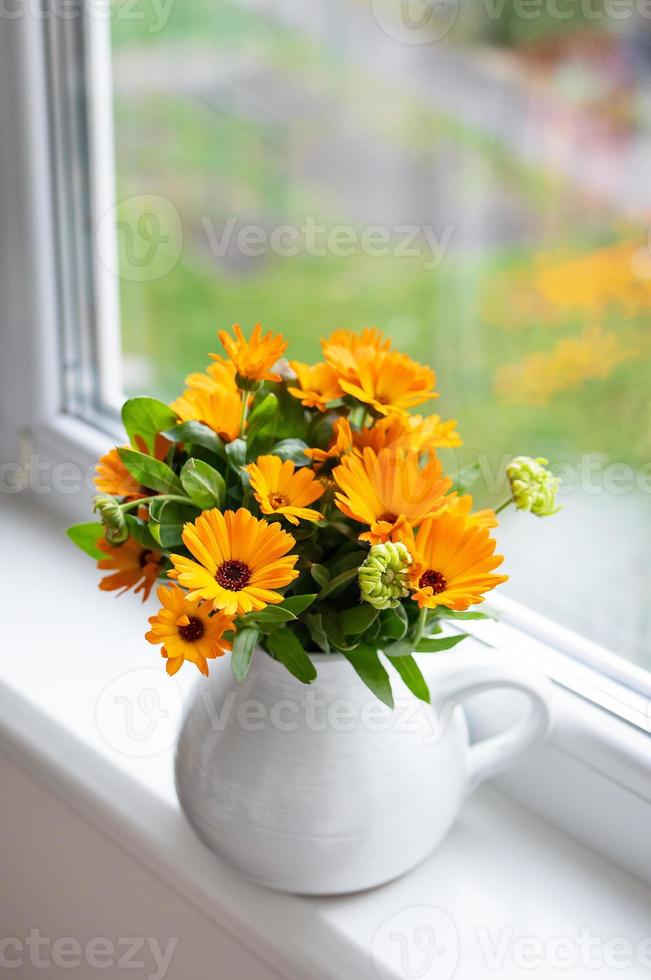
324, 790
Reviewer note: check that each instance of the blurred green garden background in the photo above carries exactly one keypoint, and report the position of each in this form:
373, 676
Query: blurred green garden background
524, 147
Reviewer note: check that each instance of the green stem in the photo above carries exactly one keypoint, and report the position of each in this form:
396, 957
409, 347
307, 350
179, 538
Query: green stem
420, 626
245, 412
131, 504
504, 505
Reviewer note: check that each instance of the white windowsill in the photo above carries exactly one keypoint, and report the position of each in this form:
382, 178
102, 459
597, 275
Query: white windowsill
500, 867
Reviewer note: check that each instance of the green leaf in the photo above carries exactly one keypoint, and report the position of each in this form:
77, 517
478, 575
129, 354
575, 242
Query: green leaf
286, 648
320, 574
402, 648
139, 531
146, 417
412, 677
366, 663
394, 623
467, 477
429, 644
155, 507
298, 603
86, 536
314, 623
150, 472
292, 449
263, 413
236, 454
203, 484
320, 431
291, 420
338, 582
336, 636
452, 614
171, 518
358, 619
197, 433
346, 562
243, 646
267, 619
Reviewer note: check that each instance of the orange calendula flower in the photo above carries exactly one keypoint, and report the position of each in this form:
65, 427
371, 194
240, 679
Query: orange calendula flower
344, 350
254, 358
112, 476
317, 385
462, 507
215, 379
240, 561
220, 410
280, 488
389, 491
453, 563
389, 382
133, 566
409, 432
187, 630
342, 443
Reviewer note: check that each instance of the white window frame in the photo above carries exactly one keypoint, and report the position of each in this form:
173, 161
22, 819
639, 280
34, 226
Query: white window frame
600, 751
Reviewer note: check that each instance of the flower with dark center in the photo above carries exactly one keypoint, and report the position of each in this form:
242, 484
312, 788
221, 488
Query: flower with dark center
238, 562
188, 630
281, 488
434, 580
453, 563
233, 575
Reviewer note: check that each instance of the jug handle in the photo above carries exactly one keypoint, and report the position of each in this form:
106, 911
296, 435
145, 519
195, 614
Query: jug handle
467, 676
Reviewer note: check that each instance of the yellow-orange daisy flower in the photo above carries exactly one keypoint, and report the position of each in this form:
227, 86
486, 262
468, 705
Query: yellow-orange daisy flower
391, 382
187, 630
280, 488
215, 379
344, 350
462, 507
317, 385
133, 566
220, 410
341, 444
453, 563
112, 476
409, 432
388, 491
254, 358
240, 561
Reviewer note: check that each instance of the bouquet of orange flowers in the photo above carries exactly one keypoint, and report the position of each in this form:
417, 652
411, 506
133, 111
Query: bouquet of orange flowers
299, 509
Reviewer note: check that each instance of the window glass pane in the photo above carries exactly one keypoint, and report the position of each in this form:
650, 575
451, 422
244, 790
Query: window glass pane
475, 183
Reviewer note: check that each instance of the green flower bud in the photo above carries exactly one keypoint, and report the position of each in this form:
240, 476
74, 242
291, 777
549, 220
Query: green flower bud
383, 575
112, 517
533, 487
